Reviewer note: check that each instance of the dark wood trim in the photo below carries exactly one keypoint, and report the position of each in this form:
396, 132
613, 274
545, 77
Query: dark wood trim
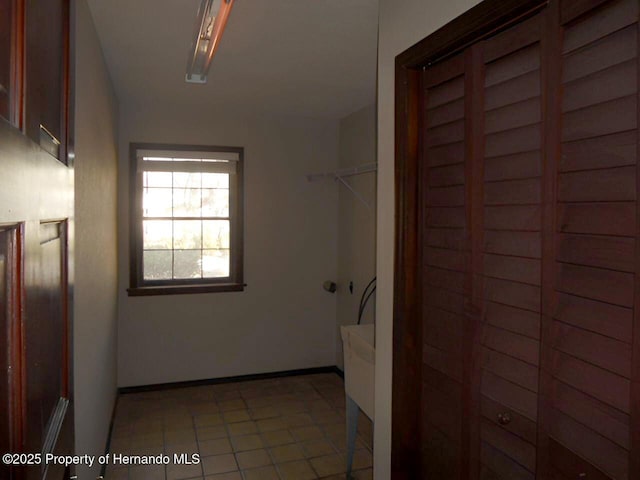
235, 379
481, 21
69, 160
70, 86
551, 68
634, 414
422, 178
474, 206
16, 115
16, 342
525, 33
184, 147
135, 225
67, 341
237, 221
15, 358
407, 328
233, 283
570, 10
66, 100
237, 226
185, 289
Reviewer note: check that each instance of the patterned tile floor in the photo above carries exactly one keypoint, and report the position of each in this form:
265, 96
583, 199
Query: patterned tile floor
290, 428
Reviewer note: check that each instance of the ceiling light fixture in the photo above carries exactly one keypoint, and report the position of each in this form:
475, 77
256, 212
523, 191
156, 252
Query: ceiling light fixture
211, 20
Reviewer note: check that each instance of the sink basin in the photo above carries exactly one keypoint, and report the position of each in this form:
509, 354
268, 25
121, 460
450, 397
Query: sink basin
359, 365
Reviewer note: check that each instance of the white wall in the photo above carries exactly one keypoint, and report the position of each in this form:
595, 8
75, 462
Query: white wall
284, 319
95, 241
402, 24
356, 223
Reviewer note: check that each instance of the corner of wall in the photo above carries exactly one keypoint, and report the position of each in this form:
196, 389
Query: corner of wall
356, 220
95, 290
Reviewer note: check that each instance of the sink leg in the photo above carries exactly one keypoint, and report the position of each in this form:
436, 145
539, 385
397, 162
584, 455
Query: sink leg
352, 428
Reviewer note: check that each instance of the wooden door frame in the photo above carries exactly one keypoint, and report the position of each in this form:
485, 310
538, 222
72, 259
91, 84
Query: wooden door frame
482, 21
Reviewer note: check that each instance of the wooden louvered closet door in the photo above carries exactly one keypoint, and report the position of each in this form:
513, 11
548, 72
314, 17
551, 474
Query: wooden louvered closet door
481, 257
445, 253
528, 260
593, 295
510, 253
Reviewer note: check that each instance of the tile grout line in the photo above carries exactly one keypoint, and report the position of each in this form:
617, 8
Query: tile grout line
195, 434
302, 395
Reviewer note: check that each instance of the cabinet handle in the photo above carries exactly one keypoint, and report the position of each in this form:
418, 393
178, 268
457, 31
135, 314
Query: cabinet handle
504, 418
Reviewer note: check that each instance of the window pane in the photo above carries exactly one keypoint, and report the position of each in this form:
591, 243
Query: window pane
215, 202
157, 264
187, 264
215, 263
215, 180
187, 234
157, 234
187, 180
157, 202
186, 202
158, 179
215, 234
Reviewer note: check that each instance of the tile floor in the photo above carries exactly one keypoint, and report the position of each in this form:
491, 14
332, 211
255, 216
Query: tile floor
290, 428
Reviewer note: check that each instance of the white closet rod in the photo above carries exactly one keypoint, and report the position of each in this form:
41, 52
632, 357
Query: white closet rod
341, 174
344, 172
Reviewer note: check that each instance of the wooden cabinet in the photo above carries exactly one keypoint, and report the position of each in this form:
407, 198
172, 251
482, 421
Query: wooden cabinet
34, 64
518, 206
36, 241
47, 29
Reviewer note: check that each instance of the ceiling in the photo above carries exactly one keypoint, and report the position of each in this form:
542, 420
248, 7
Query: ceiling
311, 58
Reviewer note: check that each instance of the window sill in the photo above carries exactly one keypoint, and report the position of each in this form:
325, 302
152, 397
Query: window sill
184, 289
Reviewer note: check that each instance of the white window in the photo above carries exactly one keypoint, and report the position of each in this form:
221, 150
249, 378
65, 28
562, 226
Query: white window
186, 229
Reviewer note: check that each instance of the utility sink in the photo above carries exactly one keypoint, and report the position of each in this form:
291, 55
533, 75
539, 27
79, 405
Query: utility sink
359, 365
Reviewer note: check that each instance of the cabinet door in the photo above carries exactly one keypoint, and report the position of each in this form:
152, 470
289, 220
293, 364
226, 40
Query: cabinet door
6, 32
46, 64
36, 245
